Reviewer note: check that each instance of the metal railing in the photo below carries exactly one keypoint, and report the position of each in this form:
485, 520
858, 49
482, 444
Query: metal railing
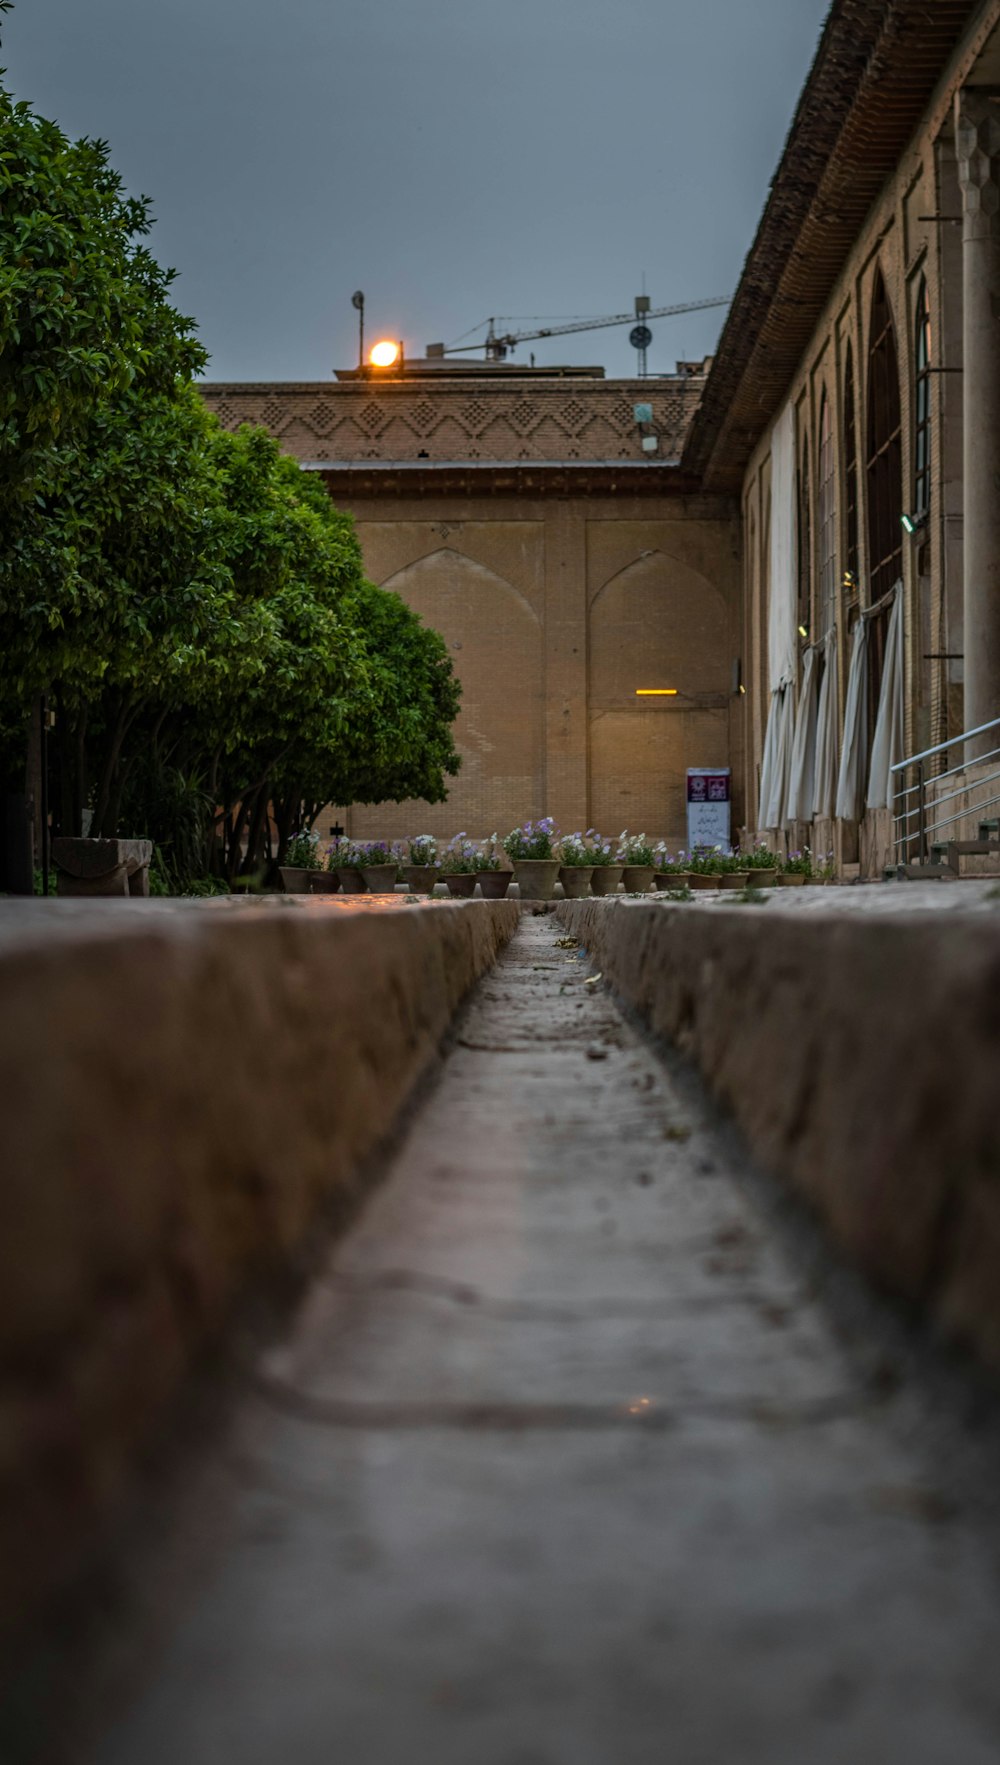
917, 824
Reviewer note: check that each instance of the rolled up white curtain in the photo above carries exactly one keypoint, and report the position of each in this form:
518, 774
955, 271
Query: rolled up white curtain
776, 759
852, 755
825, 775
887, 742
777, 762
781, 620
802, 768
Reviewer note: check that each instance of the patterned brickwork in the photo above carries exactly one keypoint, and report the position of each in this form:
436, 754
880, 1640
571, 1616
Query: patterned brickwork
512, 419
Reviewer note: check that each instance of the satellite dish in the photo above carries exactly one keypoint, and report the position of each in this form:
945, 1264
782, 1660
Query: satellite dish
640, 336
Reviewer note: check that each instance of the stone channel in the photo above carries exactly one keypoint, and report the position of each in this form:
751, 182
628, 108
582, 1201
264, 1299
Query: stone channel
575, 1453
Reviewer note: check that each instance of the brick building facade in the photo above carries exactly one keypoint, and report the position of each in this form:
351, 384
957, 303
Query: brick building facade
518, 512
852, 340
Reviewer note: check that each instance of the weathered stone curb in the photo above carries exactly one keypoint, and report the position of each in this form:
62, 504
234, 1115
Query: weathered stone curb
181, 1090
861, 1058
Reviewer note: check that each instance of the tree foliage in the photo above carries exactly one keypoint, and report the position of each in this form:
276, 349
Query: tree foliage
188, 599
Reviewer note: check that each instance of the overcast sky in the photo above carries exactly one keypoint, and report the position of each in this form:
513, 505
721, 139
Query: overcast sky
453, 158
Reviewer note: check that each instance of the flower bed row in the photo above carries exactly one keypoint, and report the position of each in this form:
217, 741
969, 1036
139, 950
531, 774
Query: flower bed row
536, 856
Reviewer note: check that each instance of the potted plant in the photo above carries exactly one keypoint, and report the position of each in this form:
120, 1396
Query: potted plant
607, 873
796, 869
670, 873
639, 862
732, 873
301, 859
827, 871
343, 860
576, 865
531, 850
458, 871
494, 879
378, 865
420, 864
762, 865
703, 867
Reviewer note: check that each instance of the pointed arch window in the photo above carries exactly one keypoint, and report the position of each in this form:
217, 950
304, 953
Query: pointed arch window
850, 479
922, 403
826, 514
884, 450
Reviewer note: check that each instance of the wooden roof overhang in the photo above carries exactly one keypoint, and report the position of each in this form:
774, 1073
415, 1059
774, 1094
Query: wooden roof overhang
874, 73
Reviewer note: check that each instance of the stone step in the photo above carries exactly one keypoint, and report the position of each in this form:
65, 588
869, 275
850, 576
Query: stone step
974, 857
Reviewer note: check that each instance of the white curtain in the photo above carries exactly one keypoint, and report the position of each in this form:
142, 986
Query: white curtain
802, 770
887, 743
852, 757
825, 776
776, 762
781, 605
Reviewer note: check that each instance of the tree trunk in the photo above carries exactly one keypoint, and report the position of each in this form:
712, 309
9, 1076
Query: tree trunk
105, 810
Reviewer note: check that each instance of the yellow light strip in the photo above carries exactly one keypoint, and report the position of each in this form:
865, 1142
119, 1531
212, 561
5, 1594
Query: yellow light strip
656, 692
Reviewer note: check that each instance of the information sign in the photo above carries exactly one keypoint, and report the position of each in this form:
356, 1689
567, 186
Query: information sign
708, 798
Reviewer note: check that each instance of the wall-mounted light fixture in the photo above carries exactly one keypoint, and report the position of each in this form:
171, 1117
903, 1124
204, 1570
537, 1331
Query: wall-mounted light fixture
656, 692
913, 523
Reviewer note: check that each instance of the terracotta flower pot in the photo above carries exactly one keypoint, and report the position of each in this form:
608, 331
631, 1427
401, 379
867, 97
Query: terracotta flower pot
295, 881
351, 880
494, 883
763, 879
703, 879
536, 878
575, 879
460, 883
671, 879
734, 879
420, 878
637, 879
380, 879
605, 879
791, 879
323, 882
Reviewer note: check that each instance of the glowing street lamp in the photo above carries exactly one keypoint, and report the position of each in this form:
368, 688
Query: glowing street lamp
385, 354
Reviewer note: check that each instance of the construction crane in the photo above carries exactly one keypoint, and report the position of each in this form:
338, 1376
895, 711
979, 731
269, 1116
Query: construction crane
497, 344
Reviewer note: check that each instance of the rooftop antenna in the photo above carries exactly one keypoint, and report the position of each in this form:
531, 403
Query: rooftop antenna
640, 335
358, 301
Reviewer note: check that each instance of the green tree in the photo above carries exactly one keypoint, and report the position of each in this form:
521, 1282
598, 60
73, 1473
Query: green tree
190, 600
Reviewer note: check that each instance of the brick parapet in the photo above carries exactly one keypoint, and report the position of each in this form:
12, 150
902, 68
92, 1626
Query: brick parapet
473, 419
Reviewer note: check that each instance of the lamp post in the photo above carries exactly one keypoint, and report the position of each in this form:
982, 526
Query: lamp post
358, 302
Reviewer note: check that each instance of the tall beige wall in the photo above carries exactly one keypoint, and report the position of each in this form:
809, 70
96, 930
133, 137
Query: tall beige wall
555, 609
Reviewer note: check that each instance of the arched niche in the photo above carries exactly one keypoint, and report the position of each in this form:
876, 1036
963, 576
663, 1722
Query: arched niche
495, 643
658, 622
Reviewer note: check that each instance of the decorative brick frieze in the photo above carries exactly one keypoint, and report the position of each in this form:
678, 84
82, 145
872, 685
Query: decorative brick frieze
451, 421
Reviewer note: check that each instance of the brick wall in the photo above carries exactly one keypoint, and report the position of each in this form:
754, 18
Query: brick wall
558, 592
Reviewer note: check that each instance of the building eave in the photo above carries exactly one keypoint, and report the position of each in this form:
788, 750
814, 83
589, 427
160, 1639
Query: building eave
873, 76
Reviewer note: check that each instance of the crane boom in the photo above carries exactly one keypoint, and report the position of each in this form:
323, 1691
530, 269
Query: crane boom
497, 344
656, 312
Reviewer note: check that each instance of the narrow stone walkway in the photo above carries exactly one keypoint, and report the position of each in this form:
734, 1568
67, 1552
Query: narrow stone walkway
563, 1465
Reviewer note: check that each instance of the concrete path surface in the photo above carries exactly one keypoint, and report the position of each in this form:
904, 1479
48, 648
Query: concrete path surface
565, 1463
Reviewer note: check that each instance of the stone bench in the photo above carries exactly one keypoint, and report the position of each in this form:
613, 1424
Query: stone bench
101, 867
